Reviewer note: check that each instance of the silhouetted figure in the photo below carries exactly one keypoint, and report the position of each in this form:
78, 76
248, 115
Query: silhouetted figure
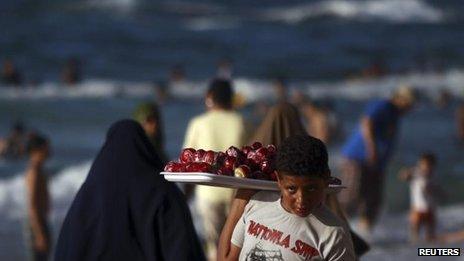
367, 152
126, 210
375, 69
38, 199
225, 69
460, 122
13, 146
10, 74
71, 72
423, 194
217, 129
177, 74
280, 89
162, 91
149, 116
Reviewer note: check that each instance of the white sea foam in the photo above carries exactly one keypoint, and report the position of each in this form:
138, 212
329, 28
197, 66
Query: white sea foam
62, 187
211, 23
360, 89
396, 11
117, 5
429, 83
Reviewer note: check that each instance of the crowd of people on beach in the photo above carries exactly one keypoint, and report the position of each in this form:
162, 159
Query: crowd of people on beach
127, 213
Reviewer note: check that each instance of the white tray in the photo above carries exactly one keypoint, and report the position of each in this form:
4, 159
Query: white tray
209, 179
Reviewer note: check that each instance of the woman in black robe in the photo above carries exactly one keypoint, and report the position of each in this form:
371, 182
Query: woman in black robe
125, 210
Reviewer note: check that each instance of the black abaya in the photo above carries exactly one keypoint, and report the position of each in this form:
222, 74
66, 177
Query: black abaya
125, 210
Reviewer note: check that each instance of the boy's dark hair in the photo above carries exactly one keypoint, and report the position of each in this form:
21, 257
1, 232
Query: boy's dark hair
429, 157
36, 141
221, 92
303, 155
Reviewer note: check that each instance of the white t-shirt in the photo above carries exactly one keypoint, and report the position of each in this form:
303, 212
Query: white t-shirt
215, 130
266, 231
421, 198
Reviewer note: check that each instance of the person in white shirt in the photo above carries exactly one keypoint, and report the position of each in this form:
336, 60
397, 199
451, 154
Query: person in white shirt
292, 225
422, 195
217, 129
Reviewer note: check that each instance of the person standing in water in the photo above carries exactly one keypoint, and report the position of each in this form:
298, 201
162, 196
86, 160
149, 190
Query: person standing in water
217, 129
38, 202
366, 154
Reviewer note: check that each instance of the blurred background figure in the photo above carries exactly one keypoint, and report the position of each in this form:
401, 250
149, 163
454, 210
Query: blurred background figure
10, 74
224, 69
14, 145
217, 129
366, 154
38, 200
161, 91
280, 89
126, 211
321, 119
71, 73
282, 120
150, 118
376, 68
423, 190
443, 99
459, 119
177, 74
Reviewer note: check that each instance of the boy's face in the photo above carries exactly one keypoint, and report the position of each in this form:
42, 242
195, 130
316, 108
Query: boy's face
301, 195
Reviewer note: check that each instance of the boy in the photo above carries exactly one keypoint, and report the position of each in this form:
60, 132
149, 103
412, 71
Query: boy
295, 225
422, 211
37, 197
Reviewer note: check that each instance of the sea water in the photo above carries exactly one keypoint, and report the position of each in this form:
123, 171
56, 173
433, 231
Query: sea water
322, 47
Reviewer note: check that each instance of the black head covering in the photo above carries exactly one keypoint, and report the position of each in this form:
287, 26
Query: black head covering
125, 210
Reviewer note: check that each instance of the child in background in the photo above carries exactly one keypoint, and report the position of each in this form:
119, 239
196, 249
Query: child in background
38, 203
422, 194
294, 225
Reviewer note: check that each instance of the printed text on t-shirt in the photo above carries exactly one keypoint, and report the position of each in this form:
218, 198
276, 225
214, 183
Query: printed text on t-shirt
277, 237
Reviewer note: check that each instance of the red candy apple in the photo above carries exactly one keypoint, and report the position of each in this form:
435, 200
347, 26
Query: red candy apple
266, 166
224, 171
199, 155
209, 157
229, 162
233, 151
242, 171
187, 155
173, 166
271, 149
246, 150
256, 145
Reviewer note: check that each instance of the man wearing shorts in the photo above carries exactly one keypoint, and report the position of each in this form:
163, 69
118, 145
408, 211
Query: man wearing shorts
366, 154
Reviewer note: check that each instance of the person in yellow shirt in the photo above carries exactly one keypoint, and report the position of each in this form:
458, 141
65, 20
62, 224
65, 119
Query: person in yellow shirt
217, 129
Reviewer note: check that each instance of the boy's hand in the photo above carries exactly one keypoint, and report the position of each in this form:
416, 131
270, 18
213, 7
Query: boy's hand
245, 194
41, 243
